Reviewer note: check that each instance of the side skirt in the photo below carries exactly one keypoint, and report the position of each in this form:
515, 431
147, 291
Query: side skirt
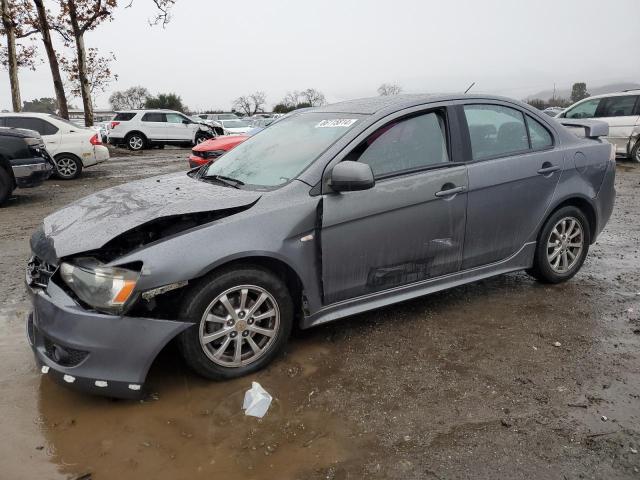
518, 261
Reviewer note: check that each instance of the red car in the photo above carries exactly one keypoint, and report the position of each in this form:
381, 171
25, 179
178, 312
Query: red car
212, 149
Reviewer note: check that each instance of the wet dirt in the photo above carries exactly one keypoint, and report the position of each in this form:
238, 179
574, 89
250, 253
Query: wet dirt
468, 383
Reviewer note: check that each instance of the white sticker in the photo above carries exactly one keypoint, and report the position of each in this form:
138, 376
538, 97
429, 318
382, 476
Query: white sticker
338, 122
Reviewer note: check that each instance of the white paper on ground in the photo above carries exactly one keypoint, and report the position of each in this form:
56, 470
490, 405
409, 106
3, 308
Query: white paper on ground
256, 401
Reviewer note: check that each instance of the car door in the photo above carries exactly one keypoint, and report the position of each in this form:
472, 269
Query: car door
407, 228
622, 115
154, 125
513, 172
178, 129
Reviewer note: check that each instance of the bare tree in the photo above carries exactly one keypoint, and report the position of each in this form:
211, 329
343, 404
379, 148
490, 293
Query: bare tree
251, 104
131, 99
313, 97
98, 69
14, 56
41, 22
291, 99
387, 89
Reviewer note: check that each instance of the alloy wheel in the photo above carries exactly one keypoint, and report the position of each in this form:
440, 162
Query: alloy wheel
66, 167
136, 142
565, 244
239, 326
200, 139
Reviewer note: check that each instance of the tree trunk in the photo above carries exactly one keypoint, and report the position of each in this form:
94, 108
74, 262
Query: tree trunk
63, 109
85, 89
12, 56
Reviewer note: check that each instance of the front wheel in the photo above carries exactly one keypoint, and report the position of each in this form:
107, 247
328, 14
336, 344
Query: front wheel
562, 247
201, 138
243, 320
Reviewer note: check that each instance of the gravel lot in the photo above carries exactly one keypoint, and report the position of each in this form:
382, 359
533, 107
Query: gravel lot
462, 384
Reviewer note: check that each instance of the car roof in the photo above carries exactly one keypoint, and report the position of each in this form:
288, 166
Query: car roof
624, 93
27, 114
372, 105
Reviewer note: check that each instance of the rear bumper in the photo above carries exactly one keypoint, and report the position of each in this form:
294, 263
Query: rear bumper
31, 172
92, 352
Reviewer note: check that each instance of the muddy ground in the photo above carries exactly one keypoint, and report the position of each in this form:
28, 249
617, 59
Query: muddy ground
461, 384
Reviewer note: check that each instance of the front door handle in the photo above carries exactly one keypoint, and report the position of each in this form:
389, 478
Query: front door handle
449, 190
548, 168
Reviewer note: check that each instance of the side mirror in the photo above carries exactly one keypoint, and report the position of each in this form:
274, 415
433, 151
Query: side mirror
348, 176
187, 122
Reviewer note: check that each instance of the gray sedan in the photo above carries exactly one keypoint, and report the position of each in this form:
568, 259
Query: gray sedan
327, 213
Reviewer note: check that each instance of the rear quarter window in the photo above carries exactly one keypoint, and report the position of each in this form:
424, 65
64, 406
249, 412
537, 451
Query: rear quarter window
124, 116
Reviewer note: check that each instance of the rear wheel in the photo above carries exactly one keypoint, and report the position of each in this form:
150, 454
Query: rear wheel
6, 186
68, 166
243, 320
562, 247
635, 153
135, 141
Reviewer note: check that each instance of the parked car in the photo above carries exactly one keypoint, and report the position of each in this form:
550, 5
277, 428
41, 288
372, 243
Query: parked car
213, 149
218, 116
326, 213
553, 111
260, 122
139, 129
24, 161
73, 148
235, 127
621, 111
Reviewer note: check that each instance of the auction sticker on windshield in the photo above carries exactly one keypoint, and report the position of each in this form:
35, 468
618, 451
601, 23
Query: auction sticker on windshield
337, 122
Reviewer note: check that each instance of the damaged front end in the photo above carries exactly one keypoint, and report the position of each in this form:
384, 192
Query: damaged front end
93, 326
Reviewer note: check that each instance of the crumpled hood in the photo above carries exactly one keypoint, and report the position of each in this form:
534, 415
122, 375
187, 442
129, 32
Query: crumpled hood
92, 221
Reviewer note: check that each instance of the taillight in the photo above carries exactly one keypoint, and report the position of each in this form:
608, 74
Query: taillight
114, 124
96, 140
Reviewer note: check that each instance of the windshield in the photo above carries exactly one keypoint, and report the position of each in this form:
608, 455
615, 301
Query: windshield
234, 123
280, 152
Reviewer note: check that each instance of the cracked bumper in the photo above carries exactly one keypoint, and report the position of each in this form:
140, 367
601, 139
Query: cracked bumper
92, 352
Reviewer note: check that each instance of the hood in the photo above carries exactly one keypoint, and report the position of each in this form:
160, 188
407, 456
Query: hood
91, 222
225, 142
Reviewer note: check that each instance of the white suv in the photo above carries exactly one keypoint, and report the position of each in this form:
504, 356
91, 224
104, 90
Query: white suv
138, 129
73, 148
621, 111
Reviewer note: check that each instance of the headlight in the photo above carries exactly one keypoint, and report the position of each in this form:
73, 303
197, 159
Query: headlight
105, 288
214, 153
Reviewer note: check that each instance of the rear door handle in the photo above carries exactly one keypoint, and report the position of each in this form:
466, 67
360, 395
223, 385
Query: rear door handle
449, 191
548, 168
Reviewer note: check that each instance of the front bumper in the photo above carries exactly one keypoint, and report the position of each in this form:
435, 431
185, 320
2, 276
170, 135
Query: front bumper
31, 172
93, 352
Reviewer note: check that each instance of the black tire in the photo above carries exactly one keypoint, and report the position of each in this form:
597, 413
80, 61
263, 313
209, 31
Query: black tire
135, 141
635, 152
201, 297
543, 269
6, 186
200, 137
68, 166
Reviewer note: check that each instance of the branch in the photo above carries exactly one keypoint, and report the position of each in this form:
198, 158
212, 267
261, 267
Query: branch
98, 13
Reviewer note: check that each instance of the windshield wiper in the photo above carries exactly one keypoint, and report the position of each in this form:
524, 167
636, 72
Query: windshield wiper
231, 182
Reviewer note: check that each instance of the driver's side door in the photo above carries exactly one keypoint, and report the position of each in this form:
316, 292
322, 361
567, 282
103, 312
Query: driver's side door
407, 228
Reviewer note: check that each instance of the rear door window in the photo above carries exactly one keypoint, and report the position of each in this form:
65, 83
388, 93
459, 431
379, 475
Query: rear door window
622, 106
405, 145
31, 123
495, 131
154, 117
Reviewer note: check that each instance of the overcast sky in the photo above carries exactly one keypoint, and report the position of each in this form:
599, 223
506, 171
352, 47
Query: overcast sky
213, 51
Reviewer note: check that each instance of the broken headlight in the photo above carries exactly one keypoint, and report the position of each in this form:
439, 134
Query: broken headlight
106, 289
